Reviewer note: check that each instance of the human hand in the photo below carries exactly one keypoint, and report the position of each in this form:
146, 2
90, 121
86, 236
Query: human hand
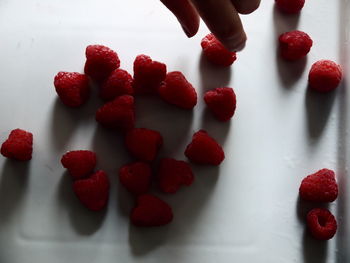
221, 17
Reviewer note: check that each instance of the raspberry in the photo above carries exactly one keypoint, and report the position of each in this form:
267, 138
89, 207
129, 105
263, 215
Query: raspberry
294, 45
290, 6
319, 187
321, 223
204, 149
172, 174
100, 62
325, 76
18, 146
79, 163
176, 90
215, 51
117, 84
93, 192
221, 102
118, 113
72, 88
151, 211
136, 177
148, 75
143, 143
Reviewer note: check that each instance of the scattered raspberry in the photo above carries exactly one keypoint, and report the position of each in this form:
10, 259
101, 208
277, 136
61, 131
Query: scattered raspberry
319, 187
117, 84
93, 192
324, 76
151, 211
148, 75
215, 51
143, 143
100, 62
204, 149
118, 113
18, 146
172, 174
72, 88
176, 90
321, 223
221, 102
79, 163
136, 177
290, 6
294, 45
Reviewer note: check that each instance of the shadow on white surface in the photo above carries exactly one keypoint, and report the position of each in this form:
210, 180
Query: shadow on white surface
304, 207
84, 221
212, 76
318, 109
13, 184
188, 205
284, 22
314, 251
65, 120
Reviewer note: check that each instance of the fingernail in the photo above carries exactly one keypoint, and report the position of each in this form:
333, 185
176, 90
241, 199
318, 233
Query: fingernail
236, 42
187, 32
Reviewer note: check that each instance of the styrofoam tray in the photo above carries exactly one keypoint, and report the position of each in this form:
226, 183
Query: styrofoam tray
246, 210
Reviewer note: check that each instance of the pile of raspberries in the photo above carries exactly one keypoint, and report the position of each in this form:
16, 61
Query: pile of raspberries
119, 89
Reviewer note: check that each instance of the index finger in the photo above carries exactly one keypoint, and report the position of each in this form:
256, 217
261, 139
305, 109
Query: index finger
223, 21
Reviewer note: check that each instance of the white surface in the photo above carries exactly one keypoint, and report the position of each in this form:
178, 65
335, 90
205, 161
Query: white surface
246, 210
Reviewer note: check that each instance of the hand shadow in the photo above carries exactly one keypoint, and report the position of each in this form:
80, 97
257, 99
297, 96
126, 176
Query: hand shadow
13, 184
84, 221
318, 108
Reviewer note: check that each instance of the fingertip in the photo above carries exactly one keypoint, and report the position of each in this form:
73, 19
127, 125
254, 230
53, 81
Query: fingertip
191, 28
246, 7
236, 42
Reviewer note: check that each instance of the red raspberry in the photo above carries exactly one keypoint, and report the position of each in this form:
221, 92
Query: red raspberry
117, 84
321, 223
294, 45
18, 146
72, 88
148, 75
118, 113
215, 51
290, 6
100, 62
204, 149
176, 90
79, 163
93, 192
136, 177
221, 102
172, 174
143, 143
319, 187
325, 76
151, 211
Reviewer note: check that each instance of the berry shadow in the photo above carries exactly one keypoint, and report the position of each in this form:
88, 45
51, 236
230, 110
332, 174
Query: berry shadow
314, 251
212, 76
303, 207
84, 221
289, 72
318, 109
188, 203
64, 120
13, 185
215, 128
173, 123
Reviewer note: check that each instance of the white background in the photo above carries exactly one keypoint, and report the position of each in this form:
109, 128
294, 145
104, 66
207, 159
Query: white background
247, 210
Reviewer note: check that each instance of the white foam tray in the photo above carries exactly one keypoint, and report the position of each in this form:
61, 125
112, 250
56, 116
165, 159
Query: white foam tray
246, 210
